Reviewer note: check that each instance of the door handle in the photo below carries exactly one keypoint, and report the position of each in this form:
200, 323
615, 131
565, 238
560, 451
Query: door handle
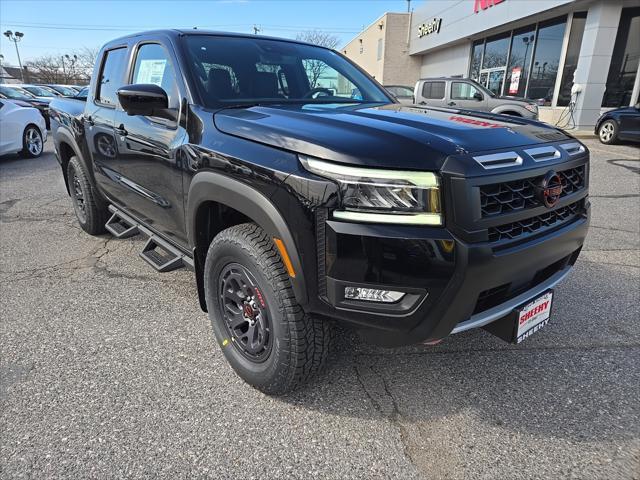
423, 103
451, 104
121, 131
89, 120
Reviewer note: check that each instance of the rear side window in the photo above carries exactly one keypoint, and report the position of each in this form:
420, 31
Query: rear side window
110, 78
433, 90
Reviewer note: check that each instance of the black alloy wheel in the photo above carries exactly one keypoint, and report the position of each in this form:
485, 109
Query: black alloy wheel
78, 199
245, 313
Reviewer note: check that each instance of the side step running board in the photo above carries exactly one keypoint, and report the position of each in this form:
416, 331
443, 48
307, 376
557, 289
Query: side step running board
157, 252
120, 227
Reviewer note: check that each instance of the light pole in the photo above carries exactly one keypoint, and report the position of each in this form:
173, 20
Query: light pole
73, 61
15, 38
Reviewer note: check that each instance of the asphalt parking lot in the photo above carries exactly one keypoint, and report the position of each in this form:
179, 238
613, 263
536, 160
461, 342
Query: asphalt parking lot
109, 369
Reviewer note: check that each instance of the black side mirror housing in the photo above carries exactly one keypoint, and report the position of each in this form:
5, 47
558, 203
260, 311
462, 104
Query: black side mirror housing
478, 96
145, 99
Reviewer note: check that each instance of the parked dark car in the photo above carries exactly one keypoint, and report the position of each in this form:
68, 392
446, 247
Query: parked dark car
17, 94
60, 89
621, 124
40, 91
298, 206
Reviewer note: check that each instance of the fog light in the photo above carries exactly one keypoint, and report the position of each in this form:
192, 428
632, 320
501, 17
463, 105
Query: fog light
372, 294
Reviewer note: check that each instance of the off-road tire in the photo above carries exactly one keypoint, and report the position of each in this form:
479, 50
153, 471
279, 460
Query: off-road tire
90, 210
300, 342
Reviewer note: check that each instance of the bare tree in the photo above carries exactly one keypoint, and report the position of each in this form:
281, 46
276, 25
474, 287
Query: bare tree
86, 60
315, 68
46, 69
74, 67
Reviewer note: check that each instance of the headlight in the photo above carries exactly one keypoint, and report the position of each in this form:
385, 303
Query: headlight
531, 107
382, 196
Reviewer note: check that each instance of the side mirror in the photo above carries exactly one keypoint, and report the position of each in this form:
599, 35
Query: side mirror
478, 96
144, 99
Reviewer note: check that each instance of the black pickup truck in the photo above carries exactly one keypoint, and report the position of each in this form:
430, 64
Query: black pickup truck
299, 204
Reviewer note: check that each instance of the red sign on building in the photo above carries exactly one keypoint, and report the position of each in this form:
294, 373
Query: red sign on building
484, 4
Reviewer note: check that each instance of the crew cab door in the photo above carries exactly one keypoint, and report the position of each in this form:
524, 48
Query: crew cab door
466, 96
149, 147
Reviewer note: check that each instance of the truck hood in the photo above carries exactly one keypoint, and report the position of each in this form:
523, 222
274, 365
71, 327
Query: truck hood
391, 136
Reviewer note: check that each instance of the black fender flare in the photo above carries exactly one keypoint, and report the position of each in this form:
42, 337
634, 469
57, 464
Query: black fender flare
62, 135
211, 186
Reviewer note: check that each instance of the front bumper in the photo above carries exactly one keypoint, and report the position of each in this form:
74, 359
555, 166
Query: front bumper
453, 289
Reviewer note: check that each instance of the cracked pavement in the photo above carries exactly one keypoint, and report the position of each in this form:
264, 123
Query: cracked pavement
109, 369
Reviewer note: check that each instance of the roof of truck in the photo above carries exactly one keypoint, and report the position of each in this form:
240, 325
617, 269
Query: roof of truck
175, 33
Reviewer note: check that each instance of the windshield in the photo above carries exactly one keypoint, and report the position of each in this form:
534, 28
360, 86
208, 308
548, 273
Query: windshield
400, 91
15, 94
239, 70
482, 88
83, 93
39, 91
69, 92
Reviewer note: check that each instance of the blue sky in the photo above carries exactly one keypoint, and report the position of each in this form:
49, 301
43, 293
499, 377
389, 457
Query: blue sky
57, 27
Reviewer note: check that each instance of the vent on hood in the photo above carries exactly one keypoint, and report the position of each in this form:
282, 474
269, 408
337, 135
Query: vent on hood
542, 154
573, 148
499, 160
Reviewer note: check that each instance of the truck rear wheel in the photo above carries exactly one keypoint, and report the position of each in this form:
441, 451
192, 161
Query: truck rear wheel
268, 339
90, 212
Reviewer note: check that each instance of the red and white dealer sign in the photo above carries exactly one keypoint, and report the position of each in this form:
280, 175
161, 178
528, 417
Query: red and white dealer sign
534, 316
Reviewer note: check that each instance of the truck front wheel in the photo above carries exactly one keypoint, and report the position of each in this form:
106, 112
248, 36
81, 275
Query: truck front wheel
90, 212
268, 339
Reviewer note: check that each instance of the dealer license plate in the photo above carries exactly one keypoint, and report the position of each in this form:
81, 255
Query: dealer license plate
533, 316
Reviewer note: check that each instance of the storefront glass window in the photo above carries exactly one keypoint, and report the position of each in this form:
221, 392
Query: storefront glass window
571, 59
546, 61
476, 59
495, 52
624, 63
521, 53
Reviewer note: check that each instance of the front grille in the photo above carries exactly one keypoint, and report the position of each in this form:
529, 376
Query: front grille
537, 224
500, 198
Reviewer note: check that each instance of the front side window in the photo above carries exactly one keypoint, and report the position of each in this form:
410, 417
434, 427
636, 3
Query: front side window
463, 91
110, 78
546, 61
239, 70
624, 62
433, 90
154, 66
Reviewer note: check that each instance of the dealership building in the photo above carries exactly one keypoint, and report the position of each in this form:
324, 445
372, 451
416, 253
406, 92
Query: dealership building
575, 58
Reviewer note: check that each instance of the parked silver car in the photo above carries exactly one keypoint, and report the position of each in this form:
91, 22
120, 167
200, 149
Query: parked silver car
464, 93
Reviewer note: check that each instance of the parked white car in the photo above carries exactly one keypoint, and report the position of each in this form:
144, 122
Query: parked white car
22, 130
